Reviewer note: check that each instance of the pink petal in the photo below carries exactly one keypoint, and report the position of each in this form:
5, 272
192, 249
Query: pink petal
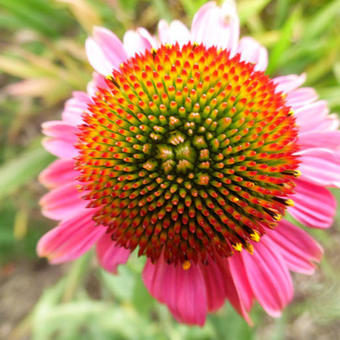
240, 280
300, 97
70, 239
175, 32
215, 26
314, 205
215, 283
297, 248
320, 166
253, 52
63, 202
58, 173
75, 107
183, 291
63, 137
138, 41
269, 278
110, 255
289, 83
324, 139
105, 51
97, 82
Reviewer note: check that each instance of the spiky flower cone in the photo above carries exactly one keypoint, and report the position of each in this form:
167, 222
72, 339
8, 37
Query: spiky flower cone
187, 152
184, 150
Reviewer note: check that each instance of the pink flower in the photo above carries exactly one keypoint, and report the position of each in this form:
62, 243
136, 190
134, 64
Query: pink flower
183, 148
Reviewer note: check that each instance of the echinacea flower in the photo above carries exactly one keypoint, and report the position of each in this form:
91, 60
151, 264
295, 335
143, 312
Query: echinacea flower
185, 151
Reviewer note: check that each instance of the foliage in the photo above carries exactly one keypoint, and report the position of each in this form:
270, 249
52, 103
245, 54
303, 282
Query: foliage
42, 61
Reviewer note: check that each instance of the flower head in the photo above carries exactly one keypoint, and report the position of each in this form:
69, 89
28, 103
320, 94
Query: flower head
184, 150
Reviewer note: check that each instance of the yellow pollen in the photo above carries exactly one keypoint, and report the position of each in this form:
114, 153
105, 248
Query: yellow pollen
291, 112
186, 265
284, 95
250, 248
297, 173
289, 203
277, 217
255, 236
238, 246
168, 45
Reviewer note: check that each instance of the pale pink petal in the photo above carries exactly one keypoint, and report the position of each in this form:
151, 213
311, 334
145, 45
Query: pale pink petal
289, 83
215, 26
63, 202
110, 255
97, 82
175, 32
300, 97
58, 173
324, 139
75, 107
138, 41
299, 250
70, 239
320, 166
105, 51
62, 138
183, 291
314, 205
269, 278
253, 52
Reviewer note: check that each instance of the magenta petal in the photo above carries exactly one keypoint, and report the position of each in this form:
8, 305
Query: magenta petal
97, 82
110, 255
183, 291
63, 202
297, 248
215, 26
327, 139
320, 166
269, 278
58, 173
300, 97
253, 52
215, 283
70, 239
314, 205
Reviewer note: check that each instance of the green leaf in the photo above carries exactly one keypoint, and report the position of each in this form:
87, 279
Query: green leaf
249, 8
21, 170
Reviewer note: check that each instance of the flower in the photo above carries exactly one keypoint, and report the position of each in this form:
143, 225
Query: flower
183, 149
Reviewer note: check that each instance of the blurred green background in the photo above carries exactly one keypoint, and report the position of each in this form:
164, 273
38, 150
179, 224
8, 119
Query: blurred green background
42, 61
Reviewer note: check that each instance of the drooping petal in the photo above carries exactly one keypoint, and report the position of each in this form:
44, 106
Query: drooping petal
289, 83
75, 107
215, 26
70, 239
314, 205
138, 41
105, 51
175, 32
215, 283
110, 255
253, 52
58, 173
324, 139
183, 291
63, 202
62, 137
298, 249
320, 166
269, 278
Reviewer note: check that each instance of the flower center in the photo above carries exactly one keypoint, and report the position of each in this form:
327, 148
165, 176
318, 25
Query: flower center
187, 153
